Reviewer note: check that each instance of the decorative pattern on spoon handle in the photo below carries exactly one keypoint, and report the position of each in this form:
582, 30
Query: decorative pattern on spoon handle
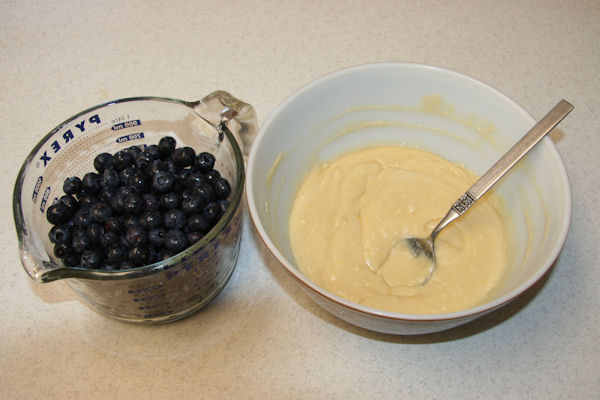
463, 203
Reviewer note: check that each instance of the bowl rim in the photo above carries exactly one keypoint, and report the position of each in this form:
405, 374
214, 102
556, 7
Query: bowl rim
405, 317
54, 271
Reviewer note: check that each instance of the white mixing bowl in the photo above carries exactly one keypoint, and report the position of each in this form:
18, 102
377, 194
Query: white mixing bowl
444, 112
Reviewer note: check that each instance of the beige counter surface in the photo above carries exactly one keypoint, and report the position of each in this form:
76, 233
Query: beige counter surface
262, 337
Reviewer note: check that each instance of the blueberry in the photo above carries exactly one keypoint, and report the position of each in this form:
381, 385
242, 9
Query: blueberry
95, 232
212, 212
150, 219
162, 254
78, 230
151, 202
117, 202
117, 253
100, 212
58, 213
71, 259
205, 193
82, 218
71, 224
106, 195
170, 200
185, 194
223, 205
133, 150
174, 219
86, 200
91, 182
109, 239
212, 175
124, 175
81, 242
197, 223
157, 166
183, 156
72, 185
137, 182
162, 182
113, 224
143, 160
139, 255
180, 176
122, 191
153, 151
70, 202
91, 258
62, 250
221, 188
166, 146
175, 240
130, 220
122, 160
194, 179
135, 236
60, 234
193, 237
156, 237
132, 203
204, 162
103, 161
110, 178
170, 166
192, 204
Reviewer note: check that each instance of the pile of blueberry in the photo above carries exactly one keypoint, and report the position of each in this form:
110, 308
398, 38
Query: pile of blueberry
140, 206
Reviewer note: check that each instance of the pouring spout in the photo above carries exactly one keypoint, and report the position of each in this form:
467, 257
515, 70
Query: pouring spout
41, 273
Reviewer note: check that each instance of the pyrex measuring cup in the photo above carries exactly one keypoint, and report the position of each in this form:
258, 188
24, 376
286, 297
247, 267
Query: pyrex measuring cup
166, 290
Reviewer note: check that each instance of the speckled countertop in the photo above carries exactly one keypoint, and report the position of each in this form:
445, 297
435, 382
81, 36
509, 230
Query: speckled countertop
262, 337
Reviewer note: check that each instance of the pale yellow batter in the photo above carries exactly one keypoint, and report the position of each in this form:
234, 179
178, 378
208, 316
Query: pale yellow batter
349, 216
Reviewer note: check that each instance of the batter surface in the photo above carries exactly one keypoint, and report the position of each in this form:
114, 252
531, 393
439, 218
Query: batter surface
349, 216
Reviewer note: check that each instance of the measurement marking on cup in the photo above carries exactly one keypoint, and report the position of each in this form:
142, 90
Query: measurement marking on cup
36, 190
156, 296
45, 199
199, 277
158, 314
133, 136
141, 290
126, 124
203, 256
172, 274
152, 306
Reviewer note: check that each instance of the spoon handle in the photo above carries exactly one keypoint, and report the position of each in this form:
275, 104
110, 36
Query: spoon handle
512, 156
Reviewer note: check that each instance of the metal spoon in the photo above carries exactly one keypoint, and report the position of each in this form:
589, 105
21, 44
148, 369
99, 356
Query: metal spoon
426, 247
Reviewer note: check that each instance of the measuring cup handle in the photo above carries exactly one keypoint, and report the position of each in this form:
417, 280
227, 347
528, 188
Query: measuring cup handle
241, 117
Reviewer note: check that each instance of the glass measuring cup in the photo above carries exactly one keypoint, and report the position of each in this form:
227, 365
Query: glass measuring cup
166, 290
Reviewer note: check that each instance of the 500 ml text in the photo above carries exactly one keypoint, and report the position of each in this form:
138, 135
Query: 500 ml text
55, 146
